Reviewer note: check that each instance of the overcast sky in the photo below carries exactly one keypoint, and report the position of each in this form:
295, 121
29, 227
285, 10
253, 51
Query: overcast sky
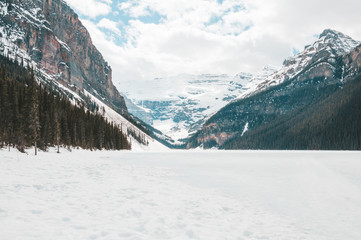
146, 39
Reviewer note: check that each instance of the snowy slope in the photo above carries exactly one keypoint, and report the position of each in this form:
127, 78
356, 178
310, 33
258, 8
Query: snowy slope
180, 195
180, 105
120, 121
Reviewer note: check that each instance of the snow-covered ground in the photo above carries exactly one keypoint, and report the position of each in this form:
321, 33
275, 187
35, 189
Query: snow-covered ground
180, 195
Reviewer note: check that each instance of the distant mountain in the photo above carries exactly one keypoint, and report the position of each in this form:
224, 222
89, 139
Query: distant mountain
182, 110
48, 36
293, 101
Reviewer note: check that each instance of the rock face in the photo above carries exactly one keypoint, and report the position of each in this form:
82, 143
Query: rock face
50, 34
304, 80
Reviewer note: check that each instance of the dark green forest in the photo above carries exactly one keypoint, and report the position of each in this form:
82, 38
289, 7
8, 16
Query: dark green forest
32, 114
331, 124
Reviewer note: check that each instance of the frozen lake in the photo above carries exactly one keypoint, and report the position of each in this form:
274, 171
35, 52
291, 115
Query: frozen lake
181, 195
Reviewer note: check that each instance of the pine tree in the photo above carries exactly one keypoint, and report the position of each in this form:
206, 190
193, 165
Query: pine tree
34, 122
57, 130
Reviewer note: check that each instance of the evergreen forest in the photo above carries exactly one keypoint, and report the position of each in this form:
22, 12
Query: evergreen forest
35, 115
333, 123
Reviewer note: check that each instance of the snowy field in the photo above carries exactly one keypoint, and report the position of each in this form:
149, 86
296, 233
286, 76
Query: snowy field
181, 195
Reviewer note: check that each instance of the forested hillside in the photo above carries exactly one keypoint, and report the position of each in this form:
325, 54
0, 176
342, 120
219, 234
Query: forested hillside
35, 115
332, 124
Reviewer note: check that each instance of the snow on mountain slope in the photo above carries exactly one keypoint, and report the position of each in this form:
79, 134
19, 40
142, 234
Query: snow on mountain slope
8, 38
330, 45
125, 125
180, 109
184, 102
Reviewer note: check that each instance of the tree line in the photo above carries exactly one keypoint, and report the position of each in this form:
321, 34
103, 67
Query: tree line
32, 114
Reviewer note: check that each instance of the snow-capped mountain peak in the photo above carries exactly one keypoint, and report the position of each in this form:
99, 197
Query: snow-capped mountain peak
323, 51
338, 41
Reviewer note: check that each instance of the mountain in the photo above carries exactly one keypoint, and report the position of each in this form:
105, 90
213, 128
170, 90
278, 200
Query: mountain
308, 85
331, 124
48, 36
187, 101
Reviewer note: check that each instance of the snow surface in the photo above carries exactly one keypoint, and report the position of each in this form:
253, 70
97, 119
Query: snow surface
180, 195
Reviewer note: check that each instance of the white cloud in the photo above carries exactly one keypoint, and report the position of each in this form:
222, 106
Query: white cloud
295, 22
107, 1
91, 8
110, 25
204, 36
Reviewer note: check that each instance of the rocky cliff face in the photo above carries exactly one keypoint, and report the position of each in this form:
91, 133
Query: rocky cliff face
352, 64
305, 79
48, 34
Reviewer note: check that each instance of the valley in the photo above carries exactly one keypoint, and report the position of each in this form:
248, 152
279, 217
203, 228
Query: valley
181, 108
156, 120
185, 110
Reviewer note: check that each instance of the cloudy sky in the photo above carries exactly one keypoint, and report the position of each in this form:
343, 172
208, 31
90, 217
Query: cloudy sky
147, 39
